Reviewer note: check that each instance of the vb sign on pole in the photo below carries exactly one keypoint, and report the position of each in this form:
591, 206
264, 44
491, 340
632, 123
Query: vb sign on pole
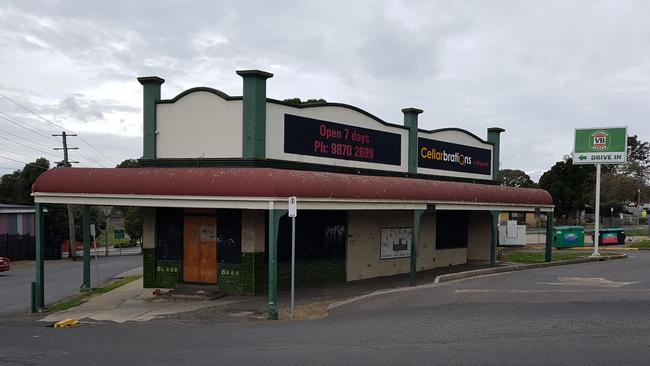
600, 145
606, 145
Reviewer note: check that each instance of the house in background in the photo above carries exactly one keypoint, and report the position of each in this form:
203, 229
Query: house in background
16, 220
17, 232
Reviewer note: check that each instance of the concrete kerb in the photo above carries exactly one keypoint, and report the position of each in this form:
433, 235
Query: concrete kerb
439, 280
522, 267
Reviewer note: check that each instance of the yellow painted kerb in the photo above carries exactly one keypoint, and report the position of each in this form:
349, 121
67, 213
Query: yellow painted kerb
66, 323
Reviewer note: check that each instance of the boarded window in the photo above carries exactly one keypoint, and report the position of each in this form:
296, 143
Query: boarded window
451, 229
229, 236
319, 235
169, 233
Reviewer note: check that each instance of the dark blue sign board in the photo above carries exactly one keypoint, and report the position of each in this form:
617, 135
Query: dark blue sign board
442, 155
308, 136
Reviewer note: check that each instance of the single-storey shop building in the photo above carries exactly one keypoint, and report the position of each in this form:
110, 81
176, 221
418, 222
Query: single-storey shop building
374, 198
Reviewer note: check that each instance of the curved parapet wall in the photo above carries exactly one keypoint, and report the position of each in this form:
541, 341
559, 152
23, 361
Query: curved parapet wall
205, 123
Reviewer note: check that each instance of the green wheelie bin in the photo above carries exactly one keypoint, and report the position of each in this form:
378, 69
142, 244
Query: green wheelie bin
611, 236
569, 236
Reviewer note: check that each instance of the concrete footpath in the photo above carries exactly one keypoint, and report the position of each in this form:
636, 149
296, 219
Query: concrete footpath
133, 303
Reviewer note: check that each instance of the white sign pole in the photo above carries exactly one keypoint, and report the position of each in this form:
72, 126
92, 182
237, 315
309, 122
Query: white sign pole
597, 220
293, 212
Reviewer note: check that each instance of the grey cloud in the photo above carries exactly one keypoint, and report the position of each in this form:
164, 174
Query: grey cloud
536, 69
79, 107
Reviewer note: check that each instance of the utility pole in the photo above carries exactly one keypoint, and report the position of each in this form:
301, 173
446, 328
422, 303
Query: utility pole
67, 163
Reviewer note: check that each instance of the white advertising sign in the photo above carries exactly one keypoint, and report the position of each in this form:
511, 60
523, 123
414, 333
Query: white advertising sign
395, 242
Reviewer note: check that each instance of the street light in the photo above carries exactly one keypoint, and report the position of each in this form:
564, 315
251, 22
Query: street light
611, 214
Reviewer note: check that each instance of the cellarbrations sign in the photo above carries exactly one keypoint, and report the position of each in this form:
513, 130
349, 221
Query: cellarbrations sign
442, 155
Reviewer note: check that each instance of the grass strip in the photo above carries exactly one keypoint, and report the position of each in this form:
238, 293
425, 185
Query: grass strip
527, 257
87, 295
636, 232
645, 244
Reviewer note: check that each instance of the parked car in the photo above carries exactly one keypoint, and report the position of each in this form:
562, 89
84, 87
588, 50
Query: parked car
4, 264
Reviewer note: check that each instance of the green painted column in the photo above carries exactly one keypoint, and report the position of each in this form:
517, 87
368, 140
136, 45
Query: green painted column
39, 292
254, 113
415, 244
411, 122
85, 213
548, 252
274, 225
494, 136
494, 237
150, 96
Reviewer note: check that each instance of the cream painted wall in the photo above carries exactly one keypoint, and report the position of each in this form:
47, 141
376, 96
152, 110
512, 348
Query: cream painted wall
275, 134
479, 239
451, 257
253, 231
363, 244
148, 227
199, 125
455, 137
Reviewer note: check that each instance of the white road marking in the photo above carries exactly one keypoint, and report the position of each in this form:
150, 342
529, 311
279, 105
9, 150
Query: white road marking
587, 281
541, 291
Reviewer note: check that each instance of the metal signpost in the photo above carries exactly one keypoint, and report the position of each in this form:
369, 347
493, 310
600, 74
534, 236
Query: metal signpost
293, 212
607, 145
93, 233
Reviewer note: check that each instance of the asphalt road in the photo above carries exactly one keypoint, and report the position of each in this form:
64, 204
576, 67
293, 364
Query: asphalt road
594, 314
62, 279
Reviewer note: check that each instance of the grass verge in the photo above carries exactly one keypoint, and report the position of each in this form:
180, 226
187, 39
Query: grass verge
525, 257
636, 232
645, 244
85, 296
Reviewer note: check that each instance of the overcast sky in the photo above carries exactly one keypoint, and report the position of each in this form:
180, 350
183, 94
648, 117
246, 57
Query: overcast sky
539, 69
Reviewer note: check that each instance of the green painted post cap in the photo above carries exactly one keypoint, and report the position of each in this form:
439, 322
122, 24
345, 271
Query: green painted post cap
496, 129
254, 73
412, 110
151, 80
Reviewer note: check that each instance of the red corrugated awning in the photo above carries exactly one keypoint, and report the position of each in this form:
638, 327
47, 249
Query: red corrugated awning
275, 183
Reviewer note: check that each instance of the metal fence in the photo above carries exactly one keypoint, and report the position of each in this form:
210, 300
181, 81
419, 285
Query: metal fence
23, 247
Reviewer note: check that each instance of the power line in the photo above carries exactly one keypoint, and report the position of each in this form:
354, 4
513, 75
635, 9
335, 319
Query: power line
27, 146
24, 125
91, 158
55, 124
29, 110
18, 161
17, 153
101, 153
22, 138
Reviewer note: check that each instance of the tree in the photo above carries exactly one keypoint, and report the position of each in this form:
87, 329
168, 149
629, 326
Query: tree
129, 163
298, 101
515, 178
638, 158
571, 186
133, 223
132, 215
16, 187
616, 190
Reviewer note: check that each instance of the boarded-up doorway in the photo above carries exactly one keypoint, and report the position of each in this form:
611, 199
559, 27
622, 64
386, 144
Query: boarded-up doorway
200, 249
